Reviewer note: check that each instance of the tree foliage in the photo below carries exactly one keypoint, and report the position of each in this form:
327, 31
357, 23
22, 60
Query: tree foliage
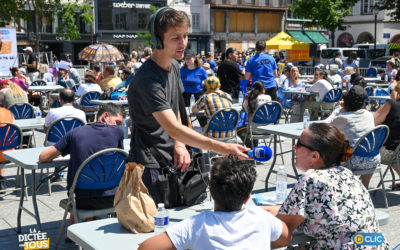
327, 14
147, 36
391, 5
12, 11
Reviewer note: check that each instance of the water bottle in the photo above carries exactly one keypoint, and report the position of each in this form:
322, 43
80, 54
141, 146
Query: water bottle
192, 101
161, 219
281, 185
38, 114
386, 78
306, 118
240, 99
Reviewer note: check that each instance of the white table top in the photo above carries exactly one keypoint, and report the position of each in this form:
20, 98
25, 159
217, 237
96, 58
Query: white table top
103, 102
290, 130
299, 92
30, 123
379, 97
46, 88
375, 85
373, 79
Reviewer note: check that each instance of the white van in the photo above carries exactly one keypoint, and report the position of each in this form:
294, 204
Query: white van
328, 53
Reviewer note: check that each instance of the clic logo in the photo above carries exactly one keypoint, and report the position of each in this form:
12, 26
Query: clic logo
368, 239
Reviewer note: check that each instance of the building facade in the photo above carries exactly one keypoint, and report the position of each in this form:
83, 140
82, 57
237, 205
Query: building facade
361, 26
240, 23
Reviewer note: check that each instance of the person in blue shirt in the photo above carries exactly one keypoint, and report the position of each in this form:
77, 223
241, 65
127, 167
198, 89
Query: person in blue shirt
262, 67
192, 75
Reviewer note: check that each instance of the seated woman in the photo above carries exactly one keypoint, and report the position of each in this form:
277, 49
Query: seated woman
293, 101
328, 203
389, 114
11, 94
254, 99
354, 120
19, 78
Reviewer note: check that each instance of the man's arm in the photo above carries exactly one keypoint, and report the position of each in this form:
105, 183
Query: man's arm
159, 242
166, 118
49, 154
181, 155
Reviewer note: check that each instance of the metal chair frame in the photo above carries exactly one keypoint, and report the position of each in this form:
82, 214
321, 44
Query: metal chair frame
332, 96
27, 112
85, 103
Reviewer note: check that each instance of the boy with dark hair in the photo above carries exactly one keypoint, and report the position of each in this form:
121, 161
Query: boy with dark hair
229, 225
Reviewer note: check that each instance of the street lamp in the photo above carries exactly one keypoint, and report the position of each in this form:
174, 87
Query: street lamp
375, 11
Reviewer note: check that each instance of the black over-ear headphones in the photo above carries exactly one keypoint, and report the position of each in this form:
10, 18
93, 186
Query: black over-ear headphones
156, 40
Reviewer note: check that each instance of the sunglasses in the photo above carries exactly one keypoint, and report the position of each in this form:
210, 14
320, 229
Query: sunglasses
300, 144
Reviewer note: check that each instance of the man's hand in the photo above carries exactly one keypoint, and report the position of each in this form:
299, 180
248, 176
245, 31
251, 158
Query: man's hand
238, 150
181, 158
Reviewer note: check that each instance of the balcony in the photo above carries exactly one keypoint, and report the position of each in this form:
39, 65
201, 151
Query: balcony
270, 4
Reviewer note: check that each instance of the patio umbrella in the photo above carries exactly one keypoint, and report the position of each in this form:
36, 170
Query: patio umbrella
100, 53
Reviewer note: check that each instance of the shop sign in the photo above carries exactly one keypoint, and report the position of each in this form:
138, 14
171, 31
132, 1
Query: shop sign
126, 5
386, 35
125, 36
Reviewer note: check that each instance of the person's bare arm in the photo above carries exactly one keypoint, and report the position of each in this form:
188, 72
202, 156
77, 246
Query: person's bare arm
247, 75
159, 242
195, 110
181, 155
285, 238
167, 120
290, 222
381, 113
49, 154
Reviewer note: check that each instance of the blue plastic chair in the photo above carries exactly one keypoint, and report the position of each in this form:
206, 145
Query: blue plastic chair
101, 170
39, 83
372, 72
86, 98
381, 92
10, 138
61, 127
223, 120
370, 91
332, 96
368, 146
22, 111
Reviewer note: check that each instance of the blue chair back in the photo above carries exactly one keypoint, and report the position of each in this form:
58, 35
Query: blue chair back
223, 120
61, 127
10, 136
39, 83
101, 170
86, 98
333, 96
381, 92
372, 72
268, 113
22, 111
370, 143
75, 88
370, 91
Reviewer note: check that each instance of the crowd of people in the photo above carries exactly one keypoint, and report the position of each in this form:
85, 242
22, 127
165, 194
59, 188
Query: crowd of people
328, 202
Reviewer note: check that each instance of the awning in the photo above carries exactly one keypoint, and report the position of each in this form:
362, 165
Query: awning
317, 37
284, 41
299, 35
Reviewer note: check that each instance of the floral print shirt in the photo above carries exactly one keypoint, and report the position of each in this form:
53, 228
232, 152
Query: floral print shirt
335, 206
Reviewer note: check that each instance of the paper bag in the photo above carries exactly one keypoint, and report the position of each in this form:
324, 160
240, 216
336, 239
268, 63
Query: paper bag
133, 204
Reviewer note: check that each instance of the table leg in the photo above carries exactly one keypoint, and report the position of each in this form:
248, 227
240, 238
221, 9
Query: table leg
21, 201
34, 200
272, 165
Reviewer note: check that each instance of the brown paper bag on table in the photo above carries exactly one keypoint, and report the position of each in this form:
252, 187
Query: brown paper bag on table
133, 204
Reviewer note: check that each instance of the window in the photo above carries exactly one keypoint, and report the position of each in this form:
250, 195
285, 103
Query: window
120, 21
367, 7
142, 20
196, 20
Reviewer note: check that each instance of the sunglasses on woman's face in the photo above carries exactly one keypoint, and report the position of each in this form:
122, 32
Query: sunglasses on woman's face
300, 144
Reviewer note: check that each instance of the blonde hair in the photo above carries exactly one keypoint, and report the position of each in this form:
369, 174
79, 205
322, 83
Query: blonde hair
15, 89
44, 68
349, 70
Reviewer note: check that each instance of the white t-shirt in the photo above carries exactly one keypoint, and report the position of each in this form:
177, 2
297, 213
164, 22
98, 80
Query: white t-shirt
322, 87
87, 87
67, 110
249, 228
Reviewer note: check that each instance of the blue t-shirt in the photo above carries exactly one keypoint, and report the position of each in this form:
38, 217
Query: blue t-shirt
192, 79
212, 65
262, 67
353, 64
84, 141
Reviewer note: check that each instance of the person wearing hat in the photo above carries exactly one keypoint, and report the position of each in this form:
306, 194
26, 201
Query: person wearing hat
334, 78
213, 100
192, 76
356, 79
32, 64
68, 76
354, 120
263, 67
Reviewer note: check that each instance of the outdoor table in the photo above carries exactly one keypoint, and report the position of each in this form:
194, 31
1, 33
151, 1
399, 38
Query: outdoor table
47, 89
380, 97
110, 234
373, 79
378, 85
104, 102
28, 159
306, 76
34, 123
299, 92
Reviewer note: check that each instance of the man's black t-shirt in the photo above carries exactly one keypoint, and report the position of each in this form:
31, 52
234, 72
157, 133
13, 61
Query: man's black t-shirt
229, 74
32, 58
152, 89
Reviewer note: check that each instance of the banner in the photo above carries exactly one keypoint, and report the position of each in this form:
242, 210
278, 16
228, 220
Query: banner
298, 55
8, 51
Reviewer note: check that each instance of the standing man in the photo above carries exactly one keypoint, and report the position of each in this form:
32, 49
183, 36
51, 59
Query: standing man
262, 67
32, 65
336, 60
153, 98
